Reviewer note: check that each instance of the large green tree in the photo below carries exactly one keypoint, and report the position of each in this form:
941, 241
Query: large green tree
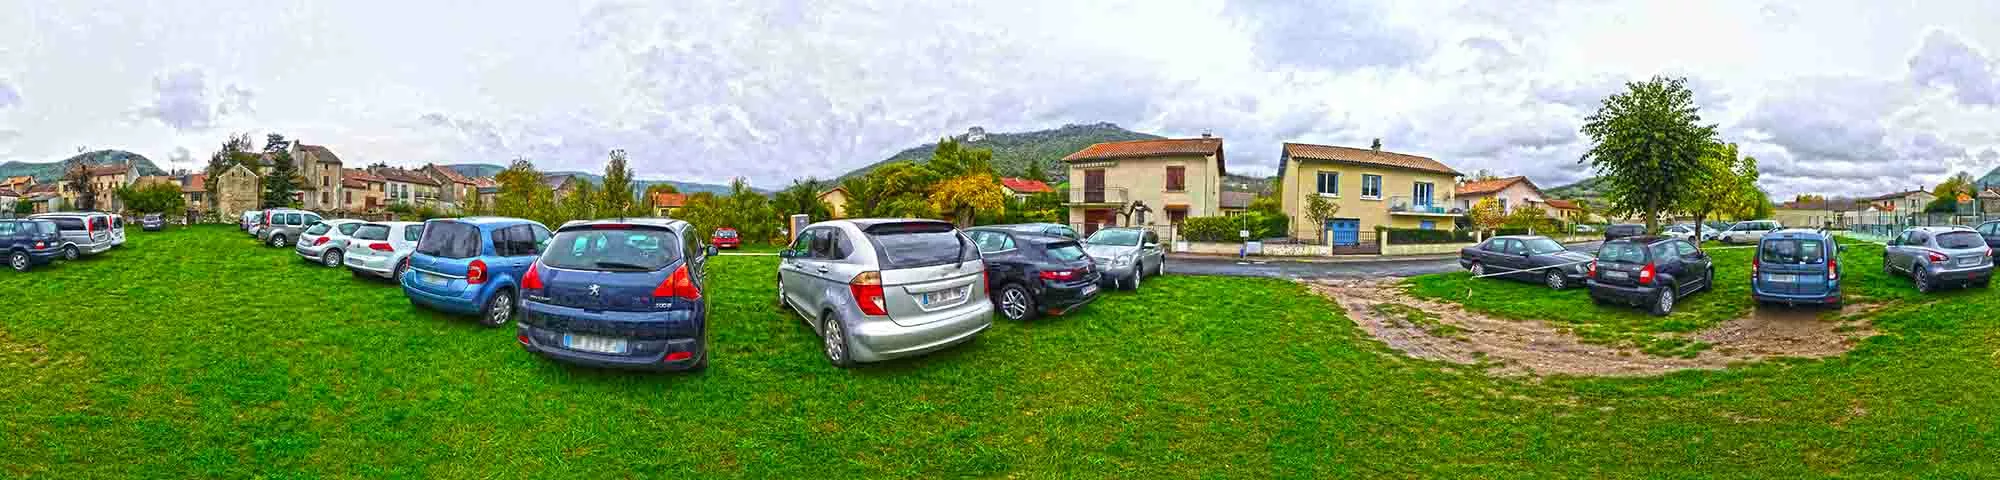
617, 198
282, 181
522, 193
1647, 144
802, 198
154, 197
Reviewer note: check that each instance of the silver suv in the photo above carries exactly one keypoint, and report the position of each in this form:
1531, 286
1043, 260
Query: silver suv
878, 289
82, 233
280, 226
1933, 256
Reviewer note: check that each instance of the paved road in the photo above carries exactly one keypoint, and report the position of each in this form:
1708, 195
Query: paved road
1262, 267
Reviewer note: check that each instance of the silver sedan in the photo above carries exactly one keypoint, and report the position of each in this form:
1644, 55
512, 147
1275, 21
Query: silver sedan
1126, 255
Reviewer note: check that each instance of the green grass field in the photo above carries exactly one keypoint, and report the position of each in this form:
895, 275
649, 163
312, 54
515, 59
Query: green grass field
196, 353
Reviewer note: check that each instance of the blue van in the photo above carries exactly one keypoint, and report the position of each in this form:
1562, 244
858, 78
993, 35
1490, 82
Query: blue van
624, 293
472, 265
1796, 266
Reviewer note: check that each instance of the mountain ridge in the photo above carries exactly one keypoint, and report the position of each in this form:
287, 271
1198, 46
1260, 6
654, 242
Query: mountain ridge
1012, 152
53, 171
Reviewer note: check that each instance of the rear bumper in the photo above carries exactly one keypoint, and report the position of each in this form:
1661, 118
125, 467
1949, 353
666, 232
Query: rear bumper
646, 354
1623, 294
383, 267
310, 253
1973, 274
465, 303
1057, 299
879, 339
43, 257
93, 248
1832, 296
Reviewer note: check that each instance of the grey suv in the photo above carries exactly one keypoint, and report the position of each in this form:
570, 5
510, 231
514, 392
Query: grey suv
1933, 256
280, 226
82, 233
878, 289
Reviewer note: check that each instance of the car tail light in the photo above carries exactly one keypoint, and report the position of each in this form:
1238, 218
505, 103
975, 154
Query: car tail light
533, 280
1061, 275
42, 245
984, 284
1646, 275
521, 337
1832, 269
476, 273
321, 241
381, 247
867, 290
1593, 270
680, 284
1935, 256
678, 356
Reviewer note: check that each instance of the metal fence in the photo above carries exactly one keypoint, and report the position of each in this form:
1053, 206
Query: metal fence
1881, 226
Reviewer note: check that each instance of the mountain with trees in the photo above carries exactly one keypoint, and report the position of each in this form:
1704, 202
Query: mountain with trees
1013, 153
53, 171
597, 180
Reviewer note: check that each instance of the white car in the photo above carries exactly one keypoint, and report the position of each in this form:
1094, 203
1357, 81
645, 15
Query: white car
1748, 232
1586, 229
1683, 232
382, 249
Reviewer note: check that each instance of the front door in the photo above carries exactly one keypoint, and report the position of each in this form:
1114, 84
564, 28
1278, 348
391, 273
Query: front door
1346, 232
1096, 218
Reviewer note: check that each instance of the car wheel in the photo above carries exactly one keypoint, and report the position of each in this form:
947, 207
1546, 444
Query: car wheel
331, 258
834, 342
1885, 266
401, 267
1708, 283
1016, 303
277, 240
499, 309
1138, 276
1922, 281
1555, 280
781, 294
19, 261
1160, 269
69, 253
1664, 304
1478, 270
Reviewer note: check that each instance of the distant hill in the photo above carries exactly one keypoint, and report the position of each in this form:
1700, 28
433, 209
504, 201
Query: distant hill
53, 171
1588, 189
638, 186
1013, 151
1240, 183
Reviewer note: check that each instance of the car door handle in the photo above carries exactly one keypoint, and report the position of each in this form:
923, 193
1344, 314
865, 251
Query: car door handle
824, 269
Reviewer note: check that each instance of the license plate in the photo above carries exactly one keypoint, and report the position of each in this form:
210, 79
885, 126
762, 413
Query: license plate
1089, 290
433, 279
1614, 275
589, 343
1970, 262
1776, 278
943, 296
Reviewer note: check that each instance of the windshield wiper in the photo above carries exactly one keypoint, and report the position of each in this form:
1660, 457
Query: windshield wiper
621, 266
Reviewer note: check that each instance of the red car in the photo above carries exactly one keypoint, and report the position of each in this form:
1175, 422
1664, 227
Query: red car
725, 238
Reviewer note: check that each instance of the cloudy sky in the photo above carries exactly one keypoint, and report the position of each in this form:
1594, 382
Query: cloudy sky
1832, 96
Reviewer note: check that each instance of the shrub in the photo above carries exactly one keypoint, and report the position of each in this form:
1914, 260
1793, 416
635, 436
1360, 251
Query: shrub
1227, 229
1418, 236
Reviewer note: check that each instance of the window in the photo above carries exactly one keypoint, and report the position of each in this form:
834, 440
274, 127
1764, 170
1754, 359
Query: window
350, 197
1371, 186
323, 181
449, 240
1426, 225
413, 232
1512, 246
294, 219
1065, 251
6, 228
1664, 250
1494, 245
1424, 194
325, 197
348, 228
1685, 249
317, 229
1960, 240
371, 232
1176, 215
1329, 183
602, 250
990, 242
1503, 203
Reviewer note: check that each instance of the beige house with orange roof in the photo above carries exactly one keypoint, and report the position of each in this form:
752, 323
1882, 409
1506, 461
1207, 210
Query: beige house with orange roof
1372, 187
1174, 179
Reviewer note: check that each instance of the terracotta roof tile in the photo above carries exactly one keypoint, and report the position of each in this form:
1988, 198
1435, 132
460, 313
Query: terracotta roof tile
404, 176
486, 182
1559, 203
669, 200
319, 153
359, 175
1366, 157
195, 183
1482, 187
453, 175
1022, 185
1147, 148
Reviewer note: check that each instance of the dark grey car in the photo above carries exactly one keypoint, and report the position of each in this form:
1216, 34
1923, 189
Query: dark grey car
1934, 256
1991, 230
1526, 257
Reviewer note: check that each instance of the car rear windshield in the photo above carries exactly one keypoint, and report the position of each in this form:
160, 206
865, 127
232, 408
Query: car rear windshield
1066, 251
1626, 252
1793, 251
637, 249
450, 240
318, 229
1958, 240
917, 245
100, 222
372, 232
725, 234
1120, 238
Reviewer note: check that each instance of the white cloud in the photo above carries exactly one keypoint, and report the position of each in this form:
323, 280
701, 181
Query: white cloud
184, 100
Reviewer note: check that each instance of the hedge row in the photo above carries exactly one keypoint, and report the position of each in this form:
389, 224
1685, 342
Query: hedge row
1226, 229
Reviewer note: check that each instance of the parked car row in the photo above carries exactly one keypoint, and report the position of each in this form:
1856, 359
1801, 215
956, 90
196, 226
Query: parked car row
631, 292
43, 238
1790, 266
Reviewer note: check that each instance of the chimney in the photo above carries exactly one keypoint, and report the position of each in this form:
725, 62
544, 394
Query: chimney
1207, 134
1378, 145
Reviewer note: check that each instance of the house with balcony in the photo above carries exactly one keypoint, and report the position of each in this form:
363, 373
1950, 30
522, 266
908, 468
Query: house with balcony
1372, 187
1512, 193
1145, 182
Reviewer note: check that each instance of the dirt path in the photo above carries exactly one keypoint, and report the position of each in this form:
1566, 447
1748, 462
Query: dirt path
1446, 332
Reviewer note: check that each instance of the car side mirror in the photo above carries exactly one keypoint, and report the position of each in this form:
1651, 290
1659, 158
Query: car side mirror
786, 254
1152, 245
712, 250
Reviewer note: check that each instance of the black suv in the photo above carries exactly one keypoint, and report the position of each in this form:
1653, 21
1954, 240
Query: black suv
1033, 273
1623, 230
1651, 272
27, 243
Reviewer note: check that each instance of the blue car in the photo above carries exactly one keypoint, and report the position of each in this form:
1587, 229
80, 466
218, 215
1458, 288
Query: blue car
27, 243
622, 294
473, 265
1796, 267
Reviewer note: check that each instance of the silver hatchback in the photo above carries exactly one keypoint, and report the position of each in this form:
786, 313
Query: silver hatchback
325, 242
877, 289
1934, 256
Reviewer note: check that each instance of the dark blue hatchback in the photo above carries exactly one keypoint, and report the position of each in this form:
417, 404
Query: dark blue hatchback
1796, 266
27, 243
621, 293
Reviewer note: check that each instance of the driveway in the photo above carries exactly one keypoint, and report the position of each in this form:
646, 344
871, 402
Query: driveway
1366, 267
